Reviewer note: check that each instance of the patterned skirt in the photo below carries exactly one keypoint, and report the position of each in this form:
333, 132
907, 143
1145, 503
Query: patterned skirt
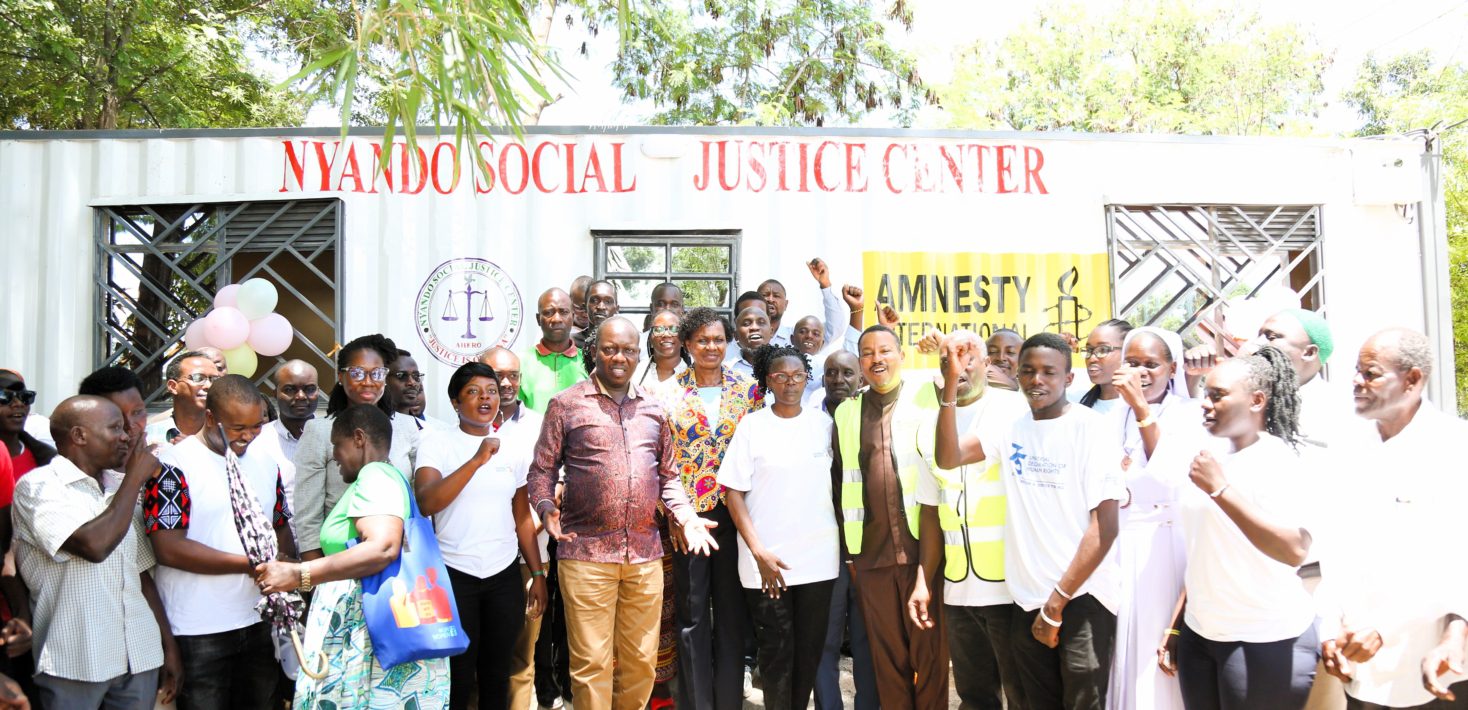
337, 630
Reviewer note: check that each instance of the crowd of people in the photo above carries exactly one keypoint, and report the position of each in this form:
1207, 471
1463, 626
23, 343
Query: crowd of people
650, 514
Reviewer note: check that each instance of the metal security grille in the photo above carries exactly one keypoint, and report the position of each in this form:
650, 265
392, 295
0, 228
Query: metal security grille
1172, 265
159, 266
705, 265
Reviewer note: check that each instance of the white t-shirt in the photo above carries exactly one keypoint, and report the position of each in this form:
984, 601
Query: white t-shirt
784, 468
989, 418
1055, 473
191, 493
522, 432
476, 532
1236, 592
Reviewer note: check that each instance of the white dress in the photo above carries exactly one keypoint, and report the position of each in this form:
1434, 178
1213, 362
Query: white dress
1150, 551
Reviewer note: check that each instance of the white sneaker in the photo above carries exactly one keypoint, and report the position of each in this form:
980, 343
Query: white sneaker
556, 703
748, 682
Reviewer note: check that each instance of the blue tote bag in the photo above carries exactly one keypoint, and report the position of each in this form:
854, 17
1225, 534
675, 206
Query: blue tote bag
409, 606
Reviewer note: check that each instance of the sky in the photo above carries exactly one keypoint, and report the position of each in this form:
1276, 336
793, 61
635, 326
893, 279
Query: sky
1347, 30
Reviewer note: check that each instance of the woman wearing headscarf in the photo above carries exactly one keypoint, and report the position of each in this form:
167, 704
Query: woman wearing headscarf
1160, 429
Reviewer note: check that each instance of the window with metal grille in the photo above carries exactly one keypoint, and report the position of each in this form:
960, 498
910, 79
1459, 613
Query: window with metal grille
704, 264
1172, 265
159, 267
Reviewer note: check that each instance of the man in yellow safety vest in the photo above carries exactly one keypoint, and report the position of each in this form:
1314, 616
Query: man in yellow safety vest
961, 533
875, 469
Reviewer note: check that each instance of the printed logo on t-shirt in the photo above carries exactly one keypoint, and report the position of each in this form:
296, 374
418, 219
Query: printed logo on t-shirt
1037, 470
1018, 459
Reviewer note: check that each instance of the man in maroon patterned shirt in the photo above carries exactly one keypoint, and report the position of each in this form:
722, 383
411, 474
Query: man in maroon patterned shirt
610, 439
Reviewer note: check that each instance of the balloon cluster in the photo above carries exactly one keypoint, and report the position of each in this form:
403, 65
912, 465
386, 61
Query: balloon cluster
243, 324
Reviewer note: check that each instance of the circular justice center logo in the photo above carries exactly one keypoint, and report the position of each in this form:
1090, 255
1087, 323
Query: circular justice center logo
467, 305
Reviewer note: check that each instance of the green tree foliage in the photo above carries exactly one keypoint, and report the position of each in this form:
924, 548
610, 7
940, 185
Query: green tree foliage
777, 62
1164, 66
74, 64
1411, 92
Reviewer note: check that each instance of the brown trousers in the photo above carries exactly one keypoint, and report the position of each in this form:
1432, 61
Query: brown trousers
911, 664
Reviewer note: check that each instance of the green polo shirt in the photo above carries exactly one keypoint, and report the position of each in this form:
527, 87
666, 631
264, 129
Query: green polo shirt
546, 373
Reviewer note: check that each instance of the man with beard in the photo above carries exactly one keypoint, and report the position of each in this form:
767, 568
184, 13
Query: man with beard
405, 386
580, 320
601, 304
190, 374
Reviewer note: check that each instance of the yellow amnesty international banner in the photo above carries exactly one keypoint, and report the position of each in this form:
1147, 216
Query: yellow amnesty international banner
1029, 293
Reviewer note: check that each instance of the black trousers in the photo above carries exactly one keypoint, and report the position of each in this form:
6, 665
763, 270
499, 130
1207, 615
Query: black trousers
492, 611
1073, 675
552, 655
984, 672
1460, 690
230, 670
1236, 675
791, 632
711, 622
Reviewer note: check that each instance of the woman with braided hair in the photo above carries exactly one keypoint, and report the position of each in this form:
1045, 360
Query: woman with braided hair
361, 378
777, 473
1243, 635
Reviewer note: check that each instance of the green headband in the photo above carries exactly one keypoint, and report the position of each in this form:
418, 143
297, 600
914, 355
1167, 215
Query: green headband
1316, 328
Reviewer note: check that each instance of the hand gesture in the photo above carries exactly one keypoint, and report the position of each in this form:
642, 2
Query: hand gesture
141, 460
488, 447
819, 271
698, 538
1167, 655
536, 597
1206, 474
16, 637
275, 576
1128, 381
1044, 632
957, 352
1200, 359
917, 606
887, 315
931, 342
552, 520
1359, 646
1001, 379
1444, 658
1072, 341
853, 297
1334, 661
771, 582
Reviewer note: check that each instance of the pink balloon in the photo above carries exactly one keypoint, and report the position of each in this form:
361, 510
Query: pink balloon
226, 328
226, 296
270, 335
195, 337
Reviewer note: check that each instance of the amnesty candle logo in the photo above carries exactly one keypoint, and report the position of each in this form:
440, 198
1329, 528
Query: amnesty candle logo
466, 306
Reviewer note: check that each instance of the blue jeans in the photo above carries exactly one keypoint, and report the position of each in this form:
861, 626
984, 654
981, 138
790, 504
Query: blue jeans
135, 691
230, 670
844, 610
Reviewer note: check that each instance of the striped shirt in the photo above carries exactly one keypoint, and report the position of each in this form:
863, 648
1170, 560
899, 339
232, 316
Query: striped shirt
91, 621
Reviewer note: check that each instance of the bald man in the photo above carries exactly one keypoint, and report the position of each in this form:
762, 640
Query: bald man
297, 394
1405, 492
101, 636
517, 427
555, 362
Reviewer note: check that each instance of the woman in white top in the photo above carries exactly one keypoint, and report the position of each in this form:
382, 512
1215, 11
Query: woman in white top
1160, 431
1243, 634
777, 473
665, 358
1103, 357
481, 512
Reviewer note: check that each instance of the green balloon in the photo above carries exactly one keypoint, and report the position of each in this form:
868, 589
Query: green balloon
256, 298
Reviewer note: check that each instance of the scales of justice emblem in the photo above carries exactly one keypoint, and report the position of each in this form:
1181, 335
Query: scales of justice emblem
466, 306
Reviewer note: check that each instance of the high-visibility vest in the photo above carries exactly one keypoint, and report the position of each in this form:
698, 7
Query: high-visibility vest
971, 506
905, 422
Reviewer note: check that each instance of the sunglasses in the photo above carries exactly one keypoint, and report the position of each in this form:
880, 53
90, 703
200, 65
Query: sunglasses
358, 374
405, 375
26, 397
292, 390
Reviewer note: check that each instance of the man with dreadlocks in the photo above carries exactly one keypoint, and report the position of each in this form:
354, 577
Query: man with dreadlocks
1243, 634
777, 476
1391, 585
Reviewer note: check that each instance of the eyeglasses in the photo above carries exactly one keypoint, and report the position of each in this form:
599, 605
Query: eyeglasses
665, 330
781, 378
405, 375
1100, 351
200, 378
26, 397
294, 391
358, 374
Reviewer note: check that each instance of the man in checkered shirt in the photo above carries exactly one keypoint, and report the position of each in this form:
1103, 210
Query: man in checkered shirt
100, 633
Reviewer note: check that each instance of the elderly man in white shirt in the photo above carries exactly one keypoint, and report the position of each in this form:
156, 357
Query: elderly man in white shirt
1389, 591
101, 636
